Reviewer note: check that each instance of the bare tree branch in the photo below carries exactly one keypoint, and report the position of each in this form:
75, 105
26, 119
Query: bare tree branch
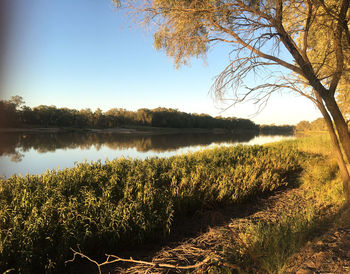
254, 50
112, 259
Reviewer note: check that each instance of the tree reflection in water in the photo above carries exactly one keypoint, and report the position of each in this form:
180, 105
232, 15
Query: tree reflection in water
15, 144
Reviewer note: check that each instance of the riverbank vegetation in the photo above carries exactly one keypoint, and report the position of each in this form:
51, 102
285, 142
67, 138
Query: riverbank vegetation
105, 207
269, 242
13, 113
268, 235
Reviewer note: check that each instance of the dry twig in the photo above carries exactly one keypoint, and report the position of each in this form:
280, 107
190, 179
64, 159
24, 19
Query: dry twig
111, 259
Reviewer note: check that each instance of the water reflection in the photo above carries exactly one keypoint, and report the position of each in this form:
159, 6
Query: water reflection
15, 144
34, 153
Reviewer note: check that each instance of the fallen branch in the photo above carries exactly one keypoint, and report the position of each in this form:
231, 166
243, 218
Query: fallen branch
116, 259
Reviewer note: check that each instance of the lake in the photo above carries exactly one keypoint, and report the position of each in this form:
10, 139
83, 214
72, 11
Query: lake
34, 153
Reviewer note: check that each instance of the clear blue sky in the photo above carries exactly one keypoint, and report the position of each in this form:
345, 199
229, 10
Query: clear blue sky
86, 54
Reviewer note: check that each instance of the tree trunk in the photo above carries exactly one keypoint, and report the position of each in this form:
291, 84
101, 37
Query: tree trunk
338, 153
340, 124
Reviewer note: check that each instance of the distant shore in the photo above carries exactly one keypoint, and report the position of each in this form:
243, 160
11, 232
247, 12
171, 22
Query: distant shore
127, 130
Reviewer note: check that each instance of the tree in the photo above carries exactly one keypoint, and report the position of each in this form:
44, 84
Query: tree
8, 114
303, 126
318, 124
16, 100
302, 44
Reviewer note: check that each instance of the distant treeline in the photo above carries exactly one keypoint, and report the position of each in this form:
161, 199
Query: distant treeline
13, 113
272, 129
316, 125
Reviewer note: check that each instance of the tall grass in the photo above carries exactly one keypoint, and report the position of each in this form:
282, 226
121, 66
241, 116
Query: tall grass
315, 144
267, 246
271, 244
103, 207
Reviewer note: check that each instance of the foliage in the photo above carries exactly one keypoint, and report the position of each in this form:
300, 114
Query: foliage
316, 125
271, 244
45, 116
264, 241
321, 40
298, 45
318, 144
126, 202
267, 243
273, 129
313, 32
303, 126
343, 96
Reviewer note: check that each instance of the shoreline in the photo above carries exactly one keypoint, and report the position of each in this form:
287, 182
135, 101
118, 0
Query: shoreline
128, 130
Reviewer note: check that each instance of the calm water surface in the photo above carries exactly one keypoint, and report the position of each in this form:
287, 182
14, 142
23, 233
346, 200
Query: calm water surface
22, 153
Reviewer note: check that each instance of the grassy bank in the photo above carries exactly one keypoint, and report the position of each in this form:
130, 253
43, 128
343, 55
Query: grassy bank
271, 230
268, 243
103, 207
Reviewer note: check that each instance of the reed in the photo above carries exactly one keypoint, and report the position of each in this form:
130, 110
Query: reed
106, 206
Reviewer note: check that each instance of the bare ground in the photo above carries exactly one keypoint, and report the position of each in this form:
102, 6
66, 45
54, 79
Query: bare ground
201, 241
329, 253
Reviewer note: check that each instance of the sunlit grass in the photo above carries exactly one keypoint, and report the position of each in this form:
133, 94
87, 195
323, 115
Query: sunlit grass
314, 144
126, 202
268, 245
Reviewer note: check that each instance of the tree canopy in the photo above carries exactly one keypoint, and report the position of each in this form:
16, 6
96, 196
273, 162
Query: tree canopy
45, 116
299, 35
302, 45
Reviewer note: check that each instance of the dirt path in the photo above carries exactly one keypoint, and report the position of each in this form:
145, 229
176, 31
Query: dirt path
203, 239
329, 253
